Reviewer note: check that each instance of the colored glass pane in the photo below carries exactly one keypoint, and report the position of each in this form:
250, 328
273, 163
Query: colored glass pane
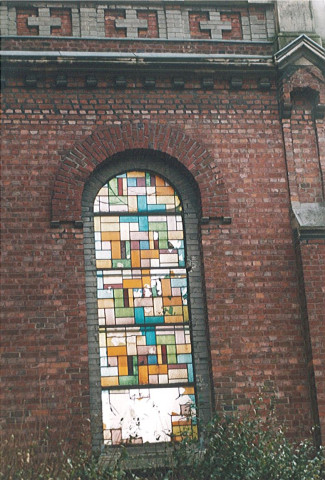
144, 333
137, 192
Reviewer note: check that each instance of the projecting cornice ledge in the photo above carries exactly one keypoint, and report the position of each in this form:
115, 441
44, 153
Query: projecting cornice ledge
70, 58
309, 220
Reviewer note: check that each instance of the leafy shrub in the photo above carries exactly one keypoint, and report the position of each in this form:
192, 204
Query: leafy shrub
247, 447
47, 455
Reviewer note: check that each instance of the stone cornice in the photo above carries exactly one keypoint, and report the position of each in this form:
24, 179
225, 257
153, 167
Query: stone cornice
129, 59
308, 220
223, 3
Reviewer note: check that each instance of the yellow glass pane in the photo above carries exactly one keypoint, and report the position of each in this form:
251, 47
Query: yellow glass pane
143, 374
116, 249
100, 264
116, 351
110, 236
135, 258
174, 319
109, 381
135, 174
123, 365
132, 283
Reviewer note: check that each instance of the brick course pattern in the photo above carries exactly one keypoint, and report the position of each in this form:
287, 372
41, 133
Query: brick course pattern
114, 45
250, 137
74, 169
313, 264
250, 275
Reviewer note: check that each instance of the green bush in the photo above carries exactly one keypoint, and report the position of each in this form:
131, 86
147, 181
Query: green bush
43, 456
247, 447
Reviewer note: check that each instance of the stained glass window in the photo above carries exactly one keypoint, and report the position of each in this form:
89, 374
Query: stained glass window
147, 378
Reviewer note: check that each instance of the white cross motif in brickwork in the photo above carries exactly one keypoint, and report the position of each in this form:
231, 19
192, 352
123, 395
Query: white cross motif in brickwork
44, 21
132, 23
215, 25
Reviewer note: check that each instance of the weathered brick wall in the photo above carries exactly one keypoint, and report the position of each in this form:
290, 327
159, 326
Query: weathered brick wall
303, 133
250, 274
313, 265
249, 127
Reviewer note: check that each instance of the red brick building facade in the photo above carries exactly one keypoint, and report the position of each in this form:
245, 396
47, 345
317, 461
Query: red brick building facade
220, 93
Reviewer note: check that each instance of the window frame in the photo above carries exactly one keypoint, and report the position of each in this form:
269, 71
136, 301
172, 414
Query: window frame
186, 187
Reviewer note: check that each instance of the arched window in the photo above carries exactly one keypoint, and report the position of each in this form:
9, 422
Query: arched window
147, 377
148, 349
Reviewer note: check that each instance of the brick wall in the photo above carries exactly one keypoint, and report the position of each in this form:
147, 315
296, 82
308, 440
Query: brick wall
313, 265
246, 127
252, 290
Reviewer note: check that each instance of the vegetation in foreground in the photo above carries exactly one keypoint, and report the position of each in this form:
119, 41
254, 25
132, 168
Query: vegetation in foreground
247, 447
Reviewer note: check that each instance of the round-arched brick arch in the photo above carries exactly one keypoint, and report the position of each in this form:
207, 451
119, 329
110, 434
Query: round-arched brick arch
104, 144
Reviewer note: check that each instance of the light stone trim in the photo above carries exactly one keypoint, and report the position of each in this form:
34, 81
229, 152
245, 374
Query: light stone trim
88, 20
186, 23
162, 24
12, 23
44, 21
270, 23
215, 25
175, 25
75, 20
131, 23
258, 28
101, 20
246, 28
4, 27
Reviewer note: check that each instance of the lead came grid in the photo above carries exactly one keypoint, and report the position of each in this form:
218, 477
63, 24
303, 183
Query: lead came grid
145, 355
137, 192
144, 333
139, 241
156, 296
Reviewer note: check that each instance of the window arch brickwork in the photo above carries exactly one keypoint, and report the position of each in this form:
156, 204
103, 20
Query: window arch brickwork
187, 188
78, 164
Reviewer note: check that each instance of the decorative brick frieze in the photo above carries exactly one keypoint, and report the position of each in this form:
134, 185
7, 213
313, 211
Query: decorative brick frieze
23, 15
65, 25
270, 23
258, 28
177, 25
174, 22
111, 17
131, 23
215, 25
4, 27
151, 30
245, 25
195, 19
44, 21
88, 22
75, 20
12, 21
